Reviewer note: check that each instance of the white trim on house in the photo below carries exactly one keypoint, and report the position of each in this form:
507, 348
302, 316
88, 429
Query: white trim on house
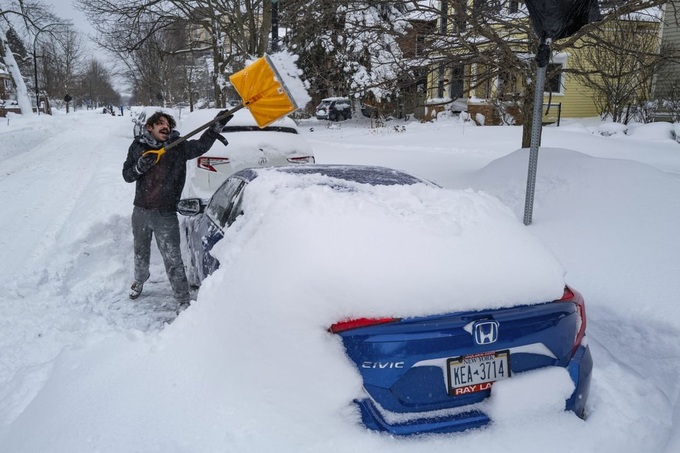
558, 59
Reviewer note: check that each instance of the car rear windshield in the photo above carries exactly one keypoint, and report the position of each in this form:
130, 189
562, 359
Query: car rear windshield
365, 175
289, 130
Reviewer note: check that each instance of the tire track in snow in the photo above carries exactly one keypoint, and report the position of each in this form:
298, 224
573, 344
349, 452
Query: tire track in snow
67, 277
58, 169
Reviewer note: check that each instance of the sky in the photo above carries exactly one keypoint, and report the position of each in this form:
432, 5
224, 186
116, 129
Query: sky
66, 10
249, 366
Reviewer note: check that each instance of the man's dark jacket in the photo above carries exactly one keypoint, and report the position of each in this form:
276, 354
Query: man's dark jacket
161, 187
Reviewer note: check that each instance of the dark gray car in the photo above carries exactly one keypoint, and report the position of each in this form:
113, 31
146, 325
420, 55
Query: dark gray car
334, 109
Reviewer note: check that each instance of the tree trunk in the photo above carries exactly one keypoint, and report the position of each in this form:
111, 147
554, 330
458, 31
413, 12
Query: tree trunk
527, 114
218, 76
22, 93
528, 111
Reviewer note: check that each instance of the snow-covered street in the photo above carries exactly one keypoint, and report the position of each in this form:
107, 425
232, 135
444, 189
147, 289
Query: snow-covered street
606, 206
65, 240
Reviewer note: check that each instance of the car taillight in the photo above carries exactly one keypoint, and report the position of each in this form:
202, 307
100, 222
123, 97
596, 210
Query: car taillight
350, 324
576, 298
208, 163
302, 160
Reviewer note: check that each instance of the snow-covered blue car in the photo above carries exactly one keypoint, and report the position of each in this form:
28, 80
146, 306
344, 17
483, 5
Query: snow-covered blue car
425, 372
432, 374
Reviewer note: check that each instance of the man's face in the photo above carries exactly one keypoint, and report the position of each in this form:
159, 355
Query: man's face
160, 130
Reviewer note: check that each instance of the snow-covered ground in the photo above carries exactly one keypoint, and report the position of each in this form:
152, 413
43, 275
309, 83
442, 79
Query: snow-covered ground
82, 368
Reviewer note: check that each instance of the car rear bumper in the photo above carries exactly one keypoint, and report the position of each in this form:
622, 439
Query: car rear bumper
579, 368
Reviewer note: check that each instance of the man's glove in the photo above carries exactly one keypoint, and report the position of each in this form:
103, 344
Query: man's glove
172, 136
145, 163
219, 125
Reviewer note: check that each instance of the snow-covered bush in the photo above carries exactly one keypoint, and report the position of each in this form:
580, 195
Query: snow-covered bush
609, 129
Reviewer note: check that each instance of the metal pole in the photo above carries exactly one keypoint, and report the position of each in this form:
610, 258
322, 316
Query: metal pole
35, 75
275, 26
542, 57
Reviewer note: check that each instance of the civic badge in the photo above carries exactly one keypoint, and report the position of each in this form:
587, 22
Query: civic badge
485, 332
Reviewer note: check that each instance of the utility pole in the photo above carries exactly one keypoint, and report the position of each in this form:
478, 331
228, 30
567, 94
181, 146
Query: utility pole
275, 26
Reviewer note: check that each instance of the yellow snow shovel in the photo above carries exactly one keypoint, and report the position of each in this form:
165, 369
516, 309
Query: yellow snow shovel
262, 91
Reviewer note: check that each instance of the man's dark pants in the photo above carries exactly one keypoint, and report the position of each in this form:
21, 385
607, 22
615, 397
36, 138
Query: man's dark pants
165, 227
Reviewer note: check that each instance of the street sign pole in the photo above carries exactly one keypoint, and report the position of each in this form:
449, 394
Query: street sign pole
542, 58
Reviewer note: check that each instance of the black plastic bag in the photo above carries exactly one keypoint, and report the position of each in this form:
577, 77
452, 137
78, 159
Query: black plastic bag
558, 19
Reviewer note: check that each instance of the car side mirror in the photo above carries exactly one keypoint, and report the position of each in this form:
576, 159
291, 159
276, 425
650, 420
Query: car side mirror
190, 206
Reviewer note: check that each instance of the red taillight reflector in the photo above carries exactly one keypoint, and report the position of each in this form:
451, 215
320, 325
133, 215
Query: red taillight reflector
576, 298
208, 163
302, 160
350, 324
568, 294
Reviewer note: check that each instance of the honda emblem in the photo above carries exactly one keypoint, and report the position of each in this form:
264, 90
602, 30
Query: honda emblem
485, 332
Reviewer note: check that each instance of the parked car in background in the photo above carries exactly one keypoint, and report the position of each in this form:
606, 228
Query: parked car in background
369, 111
140, 115
334, 109
278, 144
431, 370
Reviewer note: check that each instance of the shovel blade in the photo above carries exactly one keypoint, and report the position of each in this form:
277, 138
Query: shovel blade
263, 92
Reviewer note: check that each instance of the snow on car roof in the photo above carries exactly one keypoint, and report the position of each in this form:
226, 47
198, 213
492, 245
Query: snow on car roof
151, 109
242, 117
337, 98
416, 249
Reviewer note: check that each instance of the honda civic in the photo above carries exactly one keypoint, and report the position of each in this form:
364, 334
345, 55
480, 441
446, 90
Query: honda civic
474, 307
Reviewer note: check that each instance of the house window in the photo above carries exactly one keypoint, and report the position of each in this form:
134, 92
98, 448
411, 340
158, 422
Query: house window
444, 10
460, 11
507, 86
553, 81
513, 6
486, 5
440, 81
457, 83
420, 45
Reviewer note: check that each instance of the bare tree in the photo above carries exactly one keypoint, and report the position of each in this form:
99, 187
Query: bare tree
60, 62
621, 75
230, 31
154, 70
33, 18
493, 44
95, 85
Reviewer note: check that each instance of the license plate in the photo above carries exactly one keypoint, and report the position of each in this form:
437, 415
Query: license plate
477, 372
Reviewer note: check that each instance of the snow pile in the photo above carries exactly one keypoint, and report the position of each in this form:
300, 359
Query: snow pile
250, 367
362, 251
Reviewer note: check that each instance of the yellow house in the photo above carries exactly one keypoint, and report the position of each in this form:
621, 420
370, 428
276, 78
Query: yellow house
474, 87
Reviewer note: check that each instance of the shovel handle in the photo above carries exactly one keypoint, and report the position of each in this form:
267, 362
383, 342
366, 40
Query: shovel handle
204, 126
157, 152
